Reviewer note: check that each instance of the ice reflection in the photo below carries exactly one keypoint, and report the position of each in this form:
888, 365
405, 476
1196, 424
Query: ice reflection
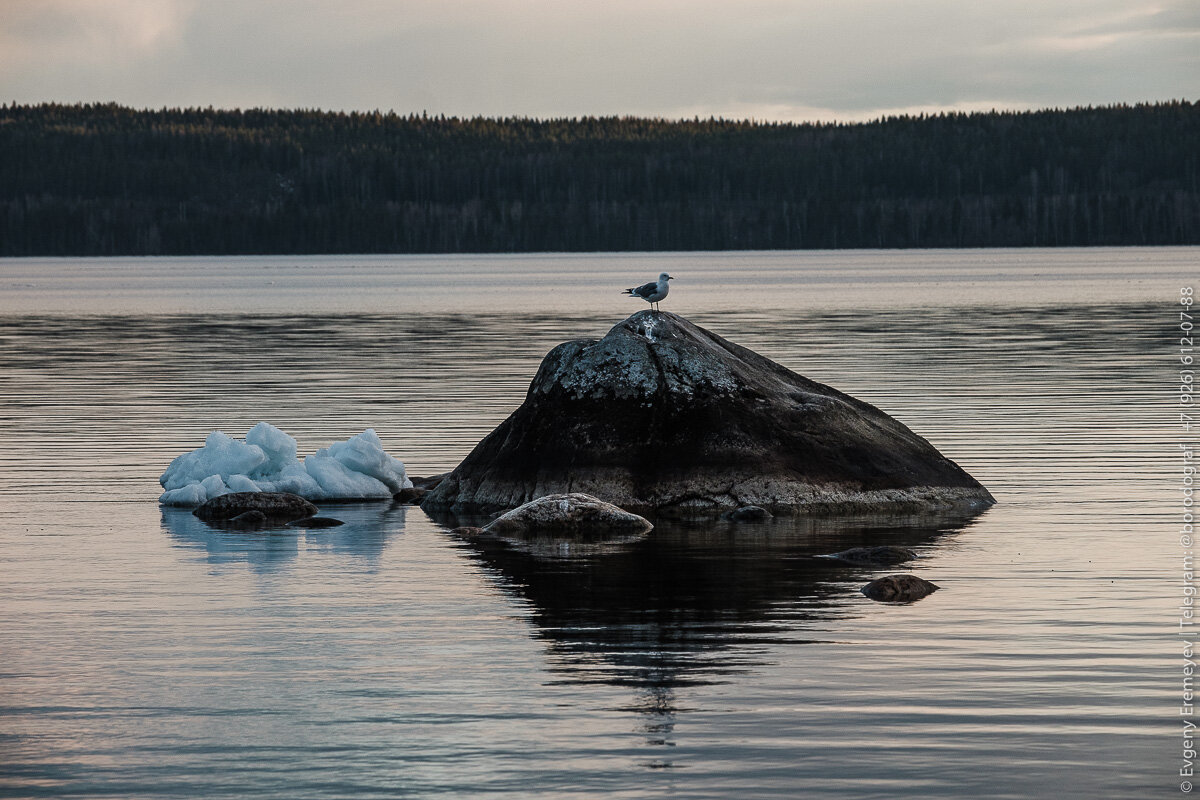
368, 529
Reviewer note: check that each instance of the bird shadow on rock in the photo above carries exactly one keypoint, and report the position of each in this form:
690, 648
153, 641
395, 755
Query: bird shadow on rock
368, 528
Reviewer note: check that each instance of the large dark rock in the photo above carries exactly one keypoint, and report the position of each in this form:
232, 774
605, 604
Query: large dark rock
662, 414
275, 506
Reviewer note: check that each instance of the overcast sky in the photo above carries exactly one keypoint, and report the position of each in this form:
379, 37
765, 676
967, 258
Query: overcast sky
761, 59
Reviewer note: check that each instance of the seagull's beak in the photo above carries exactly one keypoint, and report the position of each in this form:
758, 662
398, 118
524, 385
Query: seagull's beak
670, 277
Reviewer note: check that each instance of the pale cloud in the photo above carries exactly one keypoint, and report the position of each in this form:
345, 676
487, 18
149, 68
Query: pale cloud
84, 49
766, 59
49, 33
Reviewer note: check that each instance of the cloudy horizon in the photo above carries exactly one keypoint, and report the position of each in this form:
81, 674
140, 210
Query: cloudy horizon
768, 60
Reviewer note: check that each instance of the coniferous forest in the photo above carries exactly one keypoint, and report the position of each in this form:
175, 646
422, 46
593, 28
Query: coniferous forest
110, 180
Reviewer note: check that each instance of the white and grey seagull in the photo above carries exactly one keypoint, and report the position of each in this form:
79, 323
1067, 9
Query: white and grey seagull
652, 292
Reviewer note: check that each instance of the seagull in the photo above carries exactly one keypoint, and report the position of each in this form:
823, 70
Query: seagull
652, 292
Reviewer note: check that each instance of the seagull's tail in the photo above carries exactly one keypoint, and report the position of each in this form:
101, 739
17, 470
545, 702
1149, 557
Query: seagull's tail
630, 292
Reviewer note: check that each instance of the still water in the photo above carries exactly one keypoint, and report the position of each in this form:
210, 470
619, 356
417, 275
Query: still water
145, 655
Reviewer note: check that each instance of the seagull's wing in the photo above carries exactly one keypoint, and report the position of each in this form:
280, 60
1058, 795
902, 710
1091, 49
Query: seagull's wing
645, 290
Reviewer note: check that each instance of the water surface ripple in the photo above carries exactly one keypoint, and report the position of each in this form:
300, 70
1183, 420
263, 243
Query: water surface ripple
147, 655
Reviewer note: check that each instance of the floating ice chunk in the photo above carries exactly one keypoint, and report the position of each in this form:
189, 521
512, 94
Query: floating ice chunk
213, 486
240, 483
338, 480
190, 495
221, 455
277, 446
364, 453
356, 469
294, 479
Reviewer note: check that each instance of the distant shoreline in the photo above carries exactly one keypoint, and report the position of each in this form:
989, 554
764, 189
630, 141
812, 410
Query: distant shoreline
106, 180
584, 253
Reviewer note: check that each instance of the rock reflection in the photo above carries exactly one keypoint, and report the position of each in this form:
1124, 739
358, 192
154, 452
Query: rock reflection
694, 603
367, 530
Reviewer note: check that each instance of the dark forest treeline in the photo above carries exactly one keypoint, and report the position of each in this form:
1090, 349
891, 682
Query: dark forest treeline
109, 180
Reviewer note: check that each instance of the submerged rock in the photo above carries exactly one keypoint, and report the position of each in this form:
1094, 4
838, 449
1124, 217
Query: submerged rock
274, 506
748, 514
247, 521
570, 514
410, 495
899, 589
662, 414
316, 522
429, 482
883, 555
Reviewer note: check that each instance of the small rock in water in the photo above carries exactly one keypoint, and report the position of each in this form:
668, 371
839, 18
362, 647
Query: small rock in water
247, 521
882, 556
748, 514
898, 589
431, 482
410, 495
275, 506
468, 530
316, 522
568, 514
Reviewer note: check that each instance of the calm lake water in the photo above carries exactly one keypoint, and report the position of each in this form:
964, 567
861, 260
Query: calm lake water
144, 655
